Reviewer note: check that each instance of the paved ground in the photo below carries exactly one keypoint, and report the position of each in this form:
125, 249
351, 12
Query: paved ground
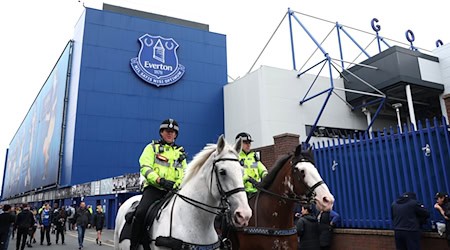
72, 241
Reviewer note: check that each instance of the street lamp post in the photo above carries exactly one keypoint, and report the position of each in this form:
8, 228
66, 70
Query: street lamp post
397, 107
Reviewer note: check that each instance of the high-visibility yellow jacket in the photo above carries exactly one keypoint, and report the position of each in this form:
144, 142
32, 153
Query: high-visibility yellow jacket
253, 168
164, 161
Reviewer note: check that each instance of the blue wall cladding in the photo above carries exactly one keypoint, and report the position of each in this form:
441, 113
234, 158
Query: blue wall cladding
367, 175
118, 113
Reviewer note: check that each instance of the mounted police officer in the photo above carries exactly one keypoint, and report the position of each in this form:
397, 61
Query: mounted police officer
162, 165
254, 170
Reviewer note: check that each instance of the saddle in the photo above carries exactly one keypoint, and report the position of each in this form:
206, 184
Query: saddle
152, 213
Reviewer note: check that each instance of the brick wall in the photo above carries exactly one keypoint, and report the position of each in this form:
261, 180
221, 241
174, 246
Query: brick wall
366, 239
283, 144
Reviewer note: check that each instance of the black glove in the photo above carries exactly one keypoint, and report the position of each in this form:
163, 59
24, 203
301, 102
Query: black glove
253, 181
166, 184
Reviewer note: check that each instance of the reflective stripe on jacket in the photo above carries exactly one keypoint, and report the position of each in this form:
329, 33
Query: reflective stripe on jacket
164, 161
253, 168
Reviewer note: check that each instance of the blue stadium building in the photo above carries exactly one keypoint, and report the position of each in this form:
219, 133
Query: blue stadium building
122, 74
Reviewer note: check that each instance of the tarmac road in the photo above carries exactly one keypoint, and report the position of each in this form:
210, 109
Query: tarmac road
71, 241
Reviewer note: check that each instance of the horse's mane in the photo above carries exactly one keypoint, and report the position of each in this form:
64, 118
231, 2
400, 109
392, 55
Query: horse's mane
268, 179
198, 161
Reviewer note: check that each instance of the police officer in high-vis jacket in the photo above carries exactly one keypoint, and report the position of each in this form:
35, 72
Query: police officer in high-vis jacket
162, 165
254, 170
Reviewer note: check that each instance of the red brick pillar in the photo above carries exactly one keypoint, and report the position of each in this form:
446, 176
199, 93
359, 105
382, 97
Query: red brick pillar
285, 143
447, 105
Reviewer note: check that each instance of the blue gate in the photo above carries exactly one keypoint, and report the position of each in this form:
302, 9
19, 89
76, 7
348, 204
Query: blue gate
367, 174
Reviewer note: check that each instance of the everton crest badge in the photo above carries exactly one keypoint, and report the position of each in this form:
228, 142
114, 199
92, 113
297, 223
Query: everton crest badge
157, 61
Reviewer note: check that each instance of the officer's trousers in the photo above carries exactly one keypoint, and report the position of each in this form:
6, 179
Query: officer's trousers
149, 196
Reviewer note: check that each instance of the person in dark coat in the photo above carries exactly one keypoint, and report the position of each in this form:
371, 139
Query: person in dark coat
24, 222
308, 230
99, 221
82, 219
443, 207
6, 220
60, 224
32, 232
407, 216
327, 222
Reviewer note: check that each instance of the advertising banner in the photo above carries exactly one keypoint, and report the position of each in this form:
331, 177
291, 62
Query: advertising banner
34, 152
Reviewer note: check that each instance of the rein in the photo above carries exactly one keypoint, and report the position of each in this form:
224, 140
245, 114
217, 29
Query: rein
310, 194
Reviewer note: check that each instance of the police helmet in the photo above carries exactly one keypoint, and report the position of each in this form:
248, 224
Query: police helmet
244, 136
169, 124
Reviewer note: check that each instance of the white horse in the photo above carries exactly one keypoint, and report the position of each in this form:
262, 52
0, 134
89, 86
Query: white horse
214, 175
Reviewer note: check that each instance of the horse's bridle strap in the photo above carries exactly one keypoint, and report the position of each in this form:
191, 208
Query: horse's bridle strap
172, 242
269, 231
236, 190
224, 159
277, 195
229, 193
311, 189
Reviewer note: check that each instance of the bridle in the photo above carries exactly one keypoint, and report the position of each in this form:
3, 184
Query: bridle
223, 211
224, 195
310, 194
310, 198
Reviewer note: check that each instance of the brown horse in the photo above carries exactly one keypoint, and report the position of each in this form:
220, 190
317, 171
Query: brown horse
292, 179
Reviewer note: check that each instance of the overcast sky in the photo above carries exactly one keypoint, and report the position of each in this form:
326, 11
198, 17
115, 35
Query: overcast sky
34, 33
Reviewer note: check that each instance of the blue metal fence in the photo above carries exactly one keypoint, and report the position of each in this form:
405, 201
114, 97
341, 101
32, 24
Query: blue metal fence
367, 174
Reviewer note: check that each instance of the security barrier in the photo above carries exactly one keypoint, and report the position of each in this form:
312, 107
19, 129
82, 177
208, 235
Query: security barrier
367, 173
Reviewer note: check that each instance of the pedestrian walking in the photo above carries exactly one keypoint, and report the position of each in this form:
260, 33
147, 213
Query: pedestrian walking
99, 221
24, 222
60, 222
6, 220
33, 229
70, 217
82, 220
45, 222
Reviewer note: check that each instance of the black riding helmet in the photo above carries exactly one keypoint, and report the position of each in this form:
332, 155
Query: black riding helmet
169, 124
244, 136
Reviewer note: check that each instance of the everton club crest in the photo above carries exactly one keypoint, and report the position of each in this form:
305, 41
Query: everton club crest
157, 62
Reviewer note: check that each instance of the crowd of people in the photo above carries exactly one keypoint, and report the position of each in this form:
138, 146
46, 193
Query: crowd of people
22, 222
162, 164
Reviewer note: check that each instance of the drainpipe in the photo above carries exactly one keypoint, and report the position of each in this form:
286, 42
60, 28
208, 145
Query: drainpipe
369, 120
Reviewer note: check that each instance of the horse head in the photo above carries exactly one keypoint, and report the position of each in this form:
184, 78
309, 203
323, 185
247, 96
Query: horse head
228, 179
308, 181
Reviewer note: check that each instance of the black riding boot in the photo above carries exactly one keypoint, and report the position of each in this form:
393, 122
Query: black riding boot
135, 234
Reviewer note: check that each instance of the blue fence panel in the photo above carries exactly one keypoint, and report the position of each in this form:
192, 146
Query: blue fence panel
367, 174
